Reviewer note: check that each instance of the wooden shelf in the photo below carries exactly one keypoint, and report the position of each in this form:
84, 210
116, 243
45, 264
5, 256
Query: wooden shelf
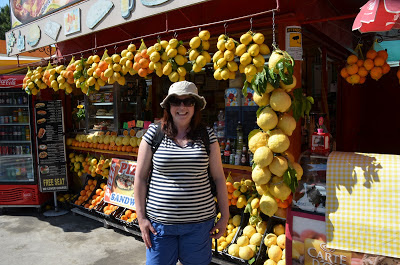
243, 168
91, 150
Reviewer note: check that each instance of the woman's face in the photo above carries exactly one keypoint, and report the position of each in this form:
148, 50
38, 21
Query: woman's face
182, 109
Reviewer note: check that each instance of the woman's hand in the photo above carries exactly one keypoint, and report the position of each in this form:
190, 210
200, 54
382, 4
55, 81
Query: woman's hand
221, 226
146, 228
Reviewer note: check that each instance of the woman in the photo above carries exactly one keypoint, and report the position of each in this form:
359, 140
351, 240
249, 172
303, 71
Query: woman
176, 211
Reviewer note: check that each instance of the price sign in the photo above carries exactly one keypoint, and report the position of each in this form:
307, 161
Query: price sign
139, 123
131, 124
147, 124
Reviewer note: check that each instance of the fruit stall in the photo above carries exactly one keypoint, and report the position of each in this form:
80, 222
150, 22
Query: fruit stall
282, 94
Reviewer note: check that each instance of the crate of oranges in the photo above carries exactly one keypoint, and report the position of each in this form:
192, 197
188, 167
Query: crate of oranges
87, 192
127, 216
106, 209
97, 196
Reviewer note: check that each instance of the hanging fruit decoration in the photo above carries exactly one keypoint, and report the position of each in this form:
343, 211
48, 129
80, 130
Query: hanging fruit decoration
224, 65
29, 84
357, 69
127, 60
275, 172
198, 53
142, 61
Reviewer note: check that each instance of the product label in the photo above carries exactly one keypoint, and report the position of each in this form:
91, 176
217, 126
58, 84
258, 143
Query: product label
316, 253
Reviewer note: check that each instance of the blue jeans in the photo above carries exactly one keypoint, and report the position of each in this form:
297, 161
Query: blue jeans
190, 243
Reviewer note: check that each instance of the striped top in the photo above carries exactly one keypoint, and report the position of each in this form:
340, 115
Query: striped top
179, 190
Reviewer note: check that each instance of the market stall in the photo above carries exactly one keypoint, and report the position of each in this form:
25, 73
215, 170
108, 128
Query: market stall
250, 65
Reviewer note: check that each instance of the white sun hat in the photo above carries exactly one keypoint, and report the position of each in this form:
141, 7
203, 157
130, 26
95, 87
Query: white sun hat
184, 88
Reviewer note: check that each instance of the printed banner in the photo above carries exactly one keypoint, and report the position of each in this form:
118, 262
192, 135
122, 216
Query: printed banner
120, 183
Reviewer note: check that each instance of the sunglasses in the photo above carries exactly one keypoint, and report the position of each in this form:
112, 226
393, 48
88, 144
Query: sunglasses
187, 102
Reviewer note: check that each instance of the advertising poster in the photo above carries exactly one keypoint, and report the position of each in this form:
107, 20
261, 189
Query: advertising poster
120, 183
293, 42
306, 245
50, 146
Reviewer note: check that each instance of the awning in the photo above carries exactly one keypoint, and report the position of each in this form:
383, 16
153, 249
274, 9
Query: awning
377, 16
362, 203
10, 64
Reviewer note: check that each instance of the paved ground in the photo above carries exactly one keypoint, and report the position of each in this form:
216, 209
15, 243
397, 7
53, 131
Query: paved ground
27, 237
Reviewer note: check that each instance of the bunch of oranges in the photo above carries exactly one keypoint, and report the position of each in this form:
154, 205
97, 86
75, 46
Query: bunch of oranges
97, 197
232, 198
356, 70
129, 216
109, 208
86, 192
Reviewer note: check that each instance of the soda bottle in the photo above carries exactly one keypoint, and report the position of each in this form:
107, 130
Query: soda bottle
239, 136
221, 126
244, 160
227, 152
222, 148
27, 133
232, 156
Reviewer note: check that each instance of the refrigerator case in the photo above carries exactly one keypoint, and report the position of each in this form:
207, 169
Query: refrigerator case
18, 176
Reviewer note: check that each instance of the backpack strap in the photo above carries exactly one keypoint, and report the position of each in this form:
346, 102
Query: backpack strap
205, 137
157, 139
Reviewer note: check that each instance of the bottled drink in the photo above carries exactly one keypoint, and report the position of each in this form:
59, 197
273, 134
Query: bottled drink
15, 116
232, 156
239, 136
20, 116
251, 159
221, 126
15, 133
227, 152
27, 133
19, 132
222, 148
244, 160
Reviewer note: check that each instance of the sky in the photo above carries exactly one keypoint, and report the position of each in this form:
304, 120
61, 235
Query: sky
4, 2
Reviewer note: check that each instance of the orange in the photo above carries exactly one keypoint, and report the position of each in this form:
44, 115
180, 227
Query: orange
385, 68
383, 54
87, 187
353, 79
369, 64
398, 74
95, 145
136, 66
376, 73
128, 213
88, 192
98, 191
360, 63
371, 54
144, 53
362, 71
137, 58
92, 187
114, 148
362, 80
102, 66
102, 185
91, 145
123, 149
352, 59
83, 192
344, 73
229, 196
352, 69
125, 133
142, 72
119, 148
129, 148
132, 132
144, 63
379, 61
87, 205
234, 201
112, 143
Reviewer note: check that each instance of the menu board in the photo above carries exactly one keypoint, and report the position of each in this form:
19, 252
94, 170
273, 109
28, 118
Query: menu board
50, 146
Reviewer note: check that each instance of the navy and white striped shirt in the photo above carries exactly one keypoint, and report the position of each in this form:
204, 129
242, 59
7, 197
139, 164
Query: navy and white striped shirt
179, 190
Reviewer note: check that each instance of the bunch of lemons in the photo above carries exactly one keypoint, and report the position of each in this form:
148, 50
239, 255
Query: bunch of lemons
198, 53
224, 65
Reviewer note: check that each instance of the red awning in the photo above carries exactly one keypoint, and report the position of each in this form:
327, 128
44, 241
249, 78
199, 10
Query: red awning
378, 15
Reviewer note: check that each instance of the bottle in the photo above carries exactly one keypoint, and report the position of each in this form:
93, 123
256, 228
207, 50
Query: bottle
27, 133
227, 152
222, 148
251, 159
215, 127
20, 116
244, 159
221, 126
15, 116
239, 136
232, 156
15, 133
19, 133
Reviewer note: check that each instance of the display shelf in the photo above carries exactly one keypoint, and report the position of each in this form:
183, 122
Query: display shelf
102, 103
243, 168
15, 156
14, 141
13, 106
104, 117
91, 150
13, 124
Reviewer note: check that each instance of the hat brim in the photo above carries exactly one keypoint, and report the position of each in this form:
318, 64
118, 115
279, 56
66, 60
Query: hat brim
201, 101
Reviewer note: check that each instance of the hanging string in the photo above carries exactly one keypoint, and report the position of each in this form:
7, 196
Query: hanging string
273, 29
175, 35
225, 26
251, 24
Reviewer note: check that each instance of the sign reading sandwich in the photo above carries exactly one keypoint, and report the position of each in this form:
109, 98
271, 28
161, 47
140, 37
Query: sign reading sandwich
120, 183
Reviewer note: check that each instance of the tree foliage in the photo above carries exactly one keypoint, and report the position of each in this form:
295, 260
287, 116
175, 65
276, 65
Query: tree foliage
5, 21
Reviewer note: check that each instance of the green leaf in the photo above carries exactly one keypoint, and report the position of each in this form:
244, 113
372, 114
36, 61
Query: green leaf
251, 261
188, 67
248, 208
253, 166
290, 179
244, 89
310, 99
259, 110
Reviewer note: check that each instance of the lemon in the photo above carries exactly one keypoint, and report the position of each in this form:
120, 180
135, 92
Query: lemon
150, 50
241, 68
164, 44
245, 59
278, 166
131, 47
130, 55
242, 241
233, 250
253, 50
196, 67
172, 53
195, 42
221, 62
267, 119
229, 55
217, 55
222, 37
246, 253
173, 43
268, 204
259, 61
241, 202
205, 44
287, 124
217, 75
288, 88
229, 44
246, 38
151, 66
269, 262
275, 253
179, 59
164, 56
263, 156
204, 35
155, 57
173, 77
116, 58
261, 227
281, 241
236, 220
249, 230
282, 261
221, 45
201, 60
278, 143
157, 47
167, 69
250, 70
280, 100
232, 66
193, 55
261, 175
116, 67
240, 49
258, 38
275, 57
256, 239
262, 100
181, 71
279, 189
298, 168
